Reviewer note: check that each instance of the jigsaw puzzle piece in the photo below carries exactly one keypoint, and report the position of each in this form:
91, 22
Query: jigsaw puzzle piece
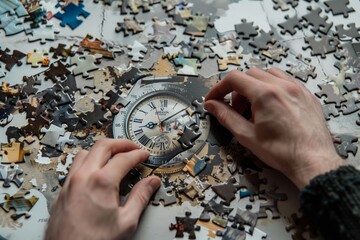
195, 165
165, 195
37, 57
136, 51
19, 203
332, 94
189, 66
230, 59
84, 64
12, 7
11, 60
346, 145
226, 191
221, 213
321, 46
71, 14
129, 25
339, 7
11, 174
185, 225
13, 152
10, 24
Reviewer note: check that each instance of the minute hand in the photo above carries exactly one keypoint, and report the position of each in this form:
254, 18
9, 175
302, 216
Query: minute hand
172, 116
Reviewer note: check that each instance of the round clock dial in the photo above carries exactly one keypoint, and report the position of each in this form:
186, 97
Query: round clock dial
157, 123
162, 121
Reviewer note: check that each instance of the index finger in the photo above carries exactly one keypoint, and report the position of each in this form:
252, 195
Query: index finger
247, 86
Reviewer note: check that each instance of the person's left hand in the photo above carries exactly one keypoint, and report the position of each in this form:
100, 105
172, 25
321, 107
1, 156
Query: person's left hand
88, 205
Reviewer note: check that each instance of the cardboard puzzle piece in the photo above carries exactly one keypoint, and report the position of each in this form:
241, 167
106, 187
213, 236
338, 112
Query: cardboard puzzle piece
339, 7
164, 194
346, 145
272, 198
189, 66
321, 46
57, 71
12, 152
136, 51
12, 7
246, 30
94, 46
221, 213
43, 34
185, 225
317, 22
195, 189
11, 60
129, 25
290, 24
195, 165
262, 41
348, 33
11, 175
284, 4
301, 70
61, 51
332, 94
10, 24
198, 24
226, 191
172, 52
84, 64
162, 33
244, 217
230, 59
37, 57
52, 135
19, 203
71, 14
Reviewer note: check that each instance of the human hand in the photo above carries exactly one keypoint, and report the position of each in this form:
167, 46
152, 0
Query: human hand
88, 206
287, 130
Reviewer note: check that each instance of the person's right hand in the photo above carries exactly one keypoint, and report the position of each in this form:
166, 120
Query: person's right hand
287, 130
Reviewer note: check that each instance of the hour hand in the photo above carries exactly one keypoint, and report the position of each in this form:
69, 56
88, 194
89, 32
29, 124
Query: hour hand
150, 125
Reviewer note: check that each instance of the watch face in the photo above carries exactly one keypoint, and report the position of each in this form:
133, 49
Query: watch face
164, 123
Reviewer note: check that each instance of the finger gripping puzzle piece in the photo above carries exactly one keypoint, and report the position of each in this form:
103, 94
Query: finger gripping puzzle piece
71, 14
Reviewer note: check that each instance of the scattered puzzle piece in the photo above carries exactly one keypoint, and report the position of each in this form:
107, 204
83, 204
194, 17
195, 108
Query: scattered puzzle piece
11, 174
11, 60
84, 64
12, 152
185, 224
165, 195
189, 65
71, 14
37, 57
19, 203
346, 145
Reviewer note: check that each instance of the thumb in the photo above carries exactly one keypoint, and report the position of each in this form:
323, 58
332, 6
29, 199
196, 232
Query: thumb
241, 128
140, 195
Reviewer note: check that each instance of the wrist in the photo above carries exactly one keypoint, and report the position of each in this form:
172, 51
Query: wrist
318, 165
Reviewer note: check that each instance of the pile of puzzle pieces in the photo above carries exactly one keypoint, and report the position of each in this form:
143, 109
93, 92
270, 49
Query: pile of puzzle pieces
81, 83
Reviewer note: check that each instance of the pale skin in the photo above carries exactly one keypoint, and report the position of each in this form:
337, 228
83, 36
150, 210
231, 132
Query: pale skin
287, 131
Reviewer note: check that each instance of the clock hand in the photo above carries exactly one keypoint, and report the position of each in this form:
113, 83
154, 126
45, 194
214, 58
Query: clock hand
171, 116
150, 125
159, 123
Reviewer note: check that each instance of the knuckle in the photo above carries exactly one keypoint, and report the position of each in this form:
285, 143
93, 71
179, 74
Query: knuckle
294, 89
101, 180
103, 141
252, 70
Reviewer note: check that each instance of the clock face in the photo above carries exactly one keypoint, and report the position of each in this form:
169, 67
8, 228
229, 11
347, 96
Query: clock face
164, 123
157, 123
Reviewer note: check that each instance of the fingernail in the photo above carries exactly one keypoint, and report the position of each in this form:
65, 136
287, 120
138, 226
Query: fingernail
208, 107
155, 183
